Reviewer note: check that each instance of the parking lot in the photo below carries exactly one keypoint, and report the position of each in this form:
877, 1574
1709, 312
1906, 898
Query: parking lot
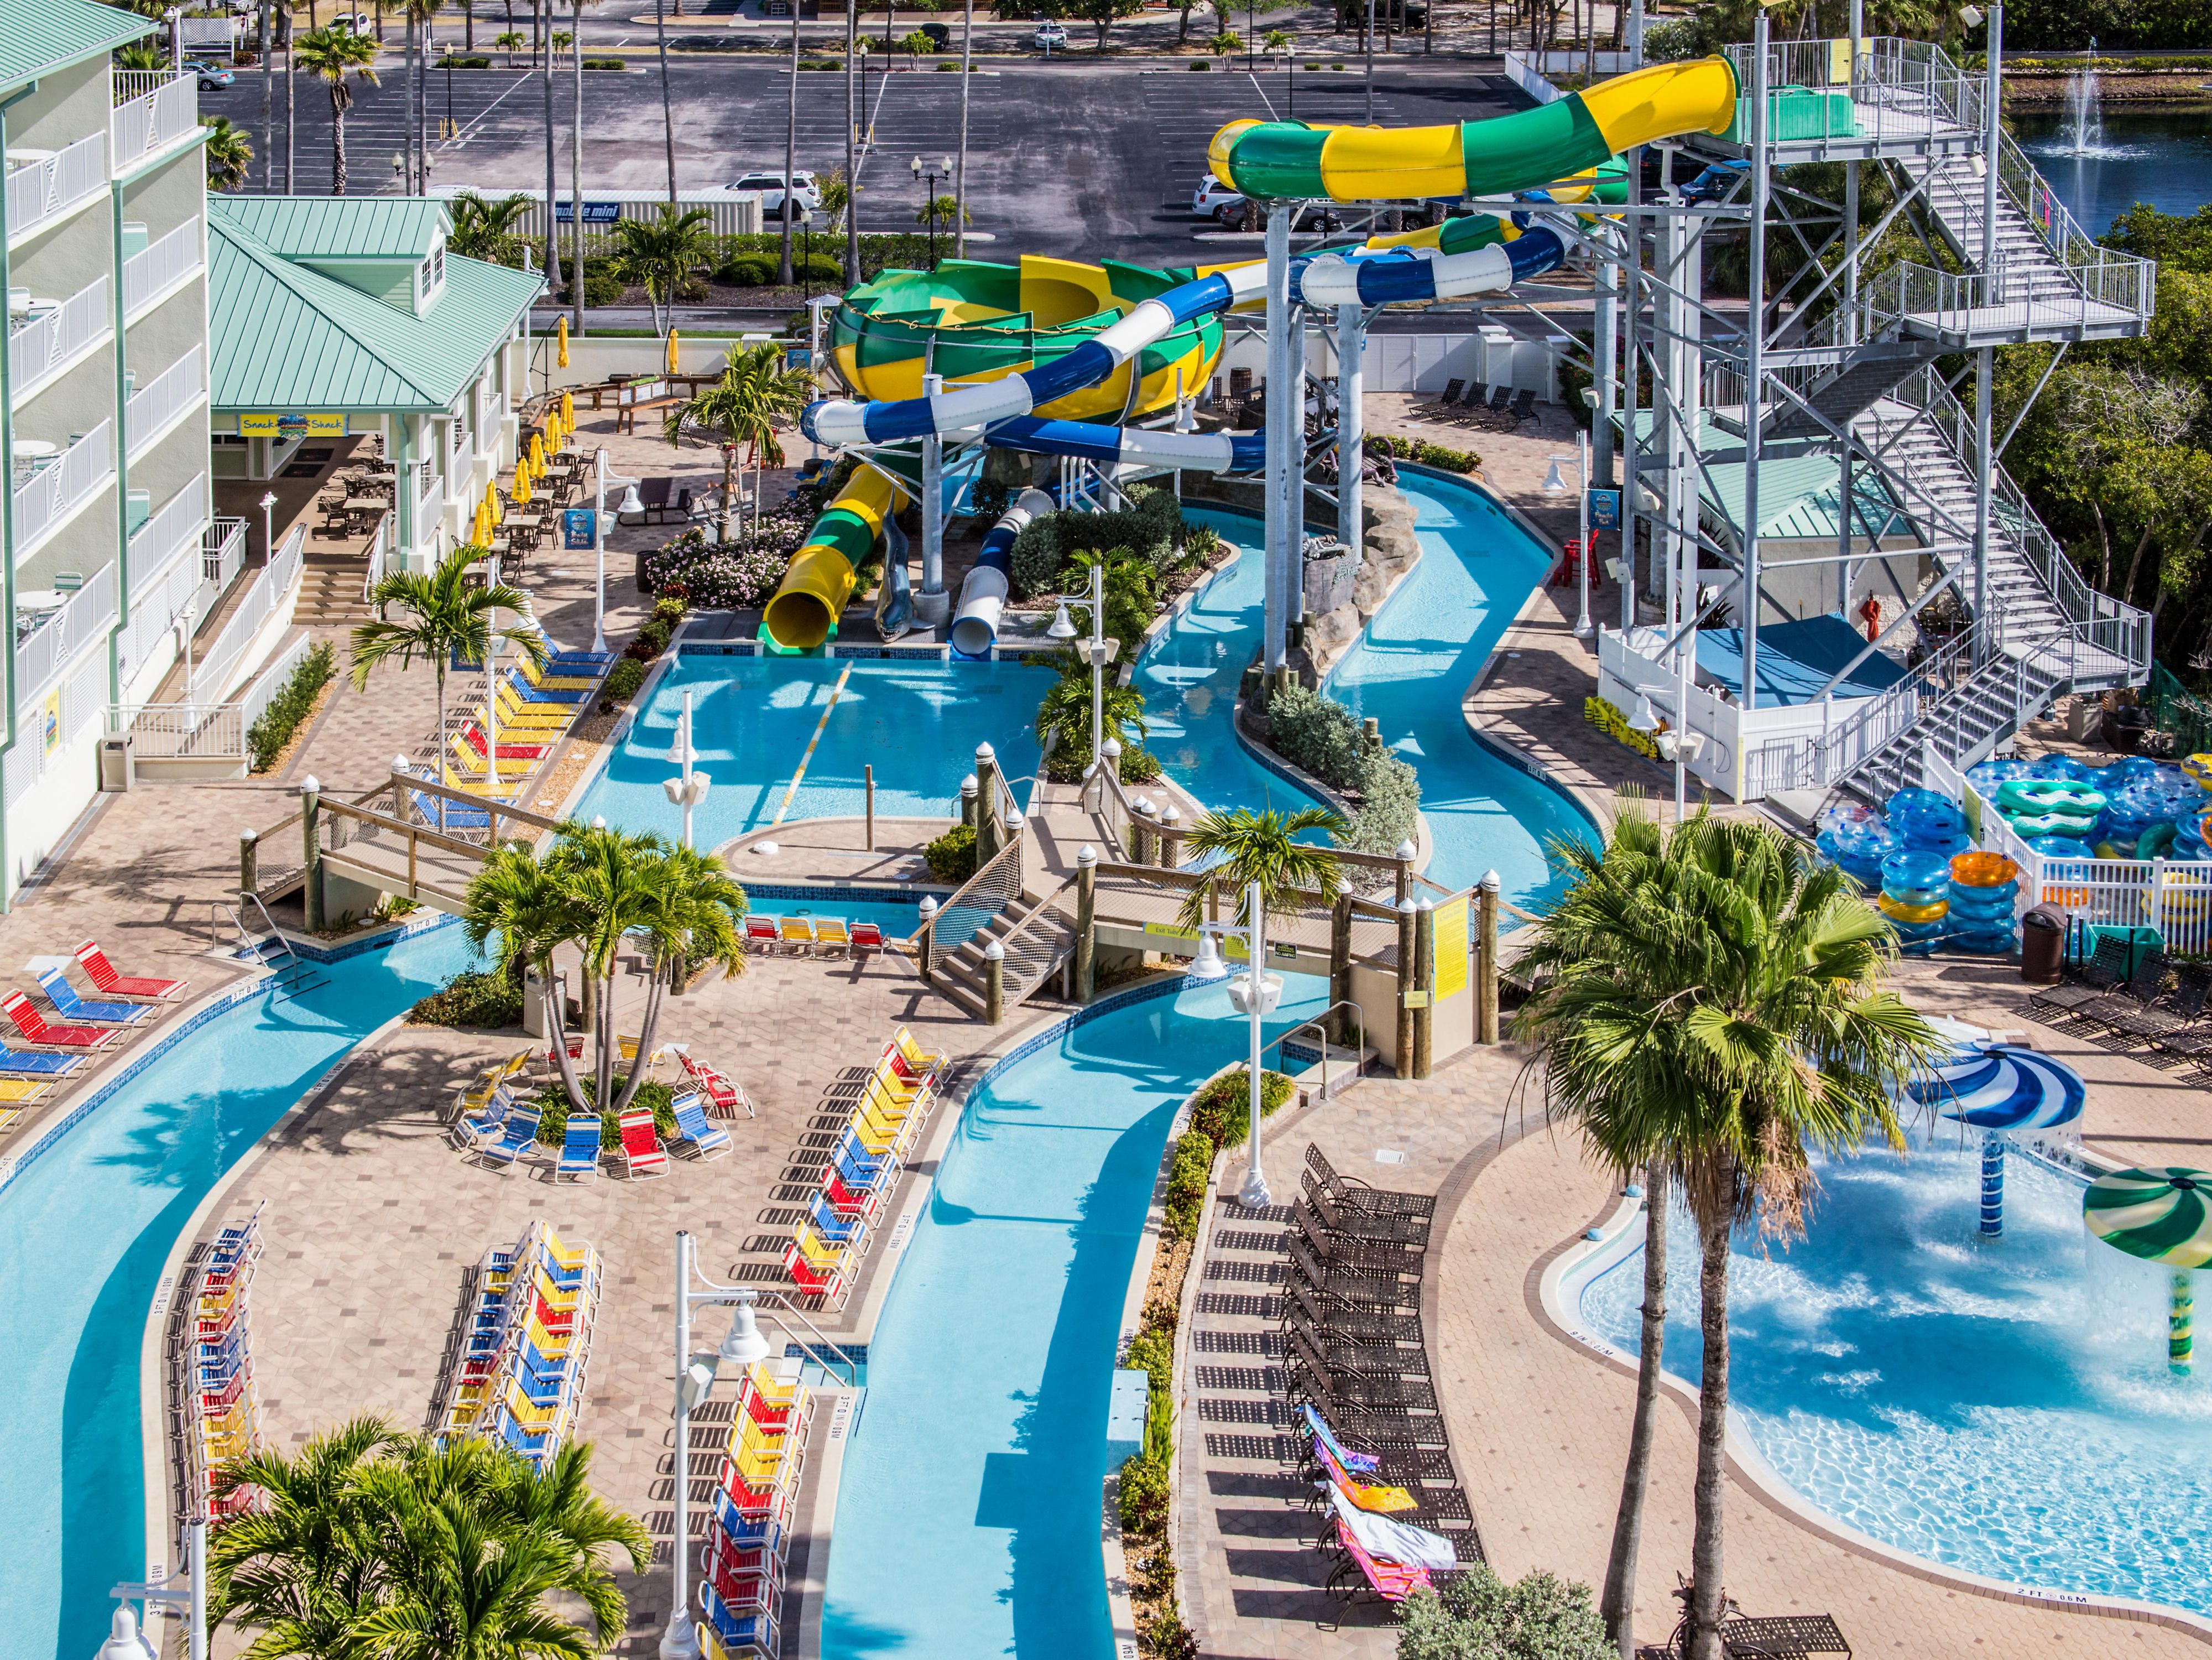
1068, 159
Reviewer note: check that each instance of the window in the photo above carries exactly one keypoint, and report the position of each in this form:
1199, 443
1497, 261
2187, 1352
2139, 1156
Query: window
437, 264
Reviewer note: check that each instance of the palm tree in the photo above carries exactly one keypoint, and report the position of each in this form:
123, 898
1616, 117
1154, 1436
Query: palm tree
743, 408
298, 1567
1598, 1084
510, 41
485, 230
518, 900
1248, 846
1737, 985
558, 1500
447, 618
692, 920
332, 56
229, 153
1065, 711
141, 55
659, 254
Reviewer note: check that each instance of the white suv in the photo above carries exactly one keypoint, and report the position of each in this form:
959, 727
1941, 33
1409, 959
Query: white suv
1214, 200
1049, 37
805, 193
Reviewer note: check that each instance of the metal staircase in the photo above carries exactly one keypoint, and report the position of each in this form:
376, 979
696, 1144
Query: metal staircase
1867, 374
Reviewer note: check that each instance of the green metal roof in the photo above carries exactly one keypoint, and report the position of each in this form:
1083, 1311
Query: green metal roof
338, 227
39, 36
284, 336
1799, 486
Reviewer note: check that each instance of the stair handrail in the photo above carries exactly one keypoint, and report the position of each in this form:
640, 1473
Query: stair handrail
2104, 275
1847, 747
993, 874
1047, 907
2123, 629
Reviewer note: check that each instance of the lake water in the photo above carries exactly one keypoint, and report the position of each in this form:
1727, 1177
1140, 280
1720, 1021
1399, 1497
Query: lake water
2162, 156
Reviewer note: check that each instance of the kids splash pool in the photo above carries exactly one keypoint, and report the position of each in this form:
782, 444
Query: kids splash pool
2000, 1407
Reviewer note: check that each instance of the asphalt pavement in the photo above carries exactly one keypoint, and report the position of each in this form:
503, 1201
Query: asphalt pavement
1070, 158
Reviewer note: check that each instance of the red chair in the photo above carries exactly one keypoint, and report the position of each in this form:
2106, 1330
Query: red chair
472, 734
103, 975
867, 936
33, 1024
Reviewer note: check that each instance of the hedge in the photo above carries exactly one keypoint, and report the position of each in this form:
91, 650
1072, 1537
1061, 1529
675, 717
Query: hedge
1320, 734
267, 736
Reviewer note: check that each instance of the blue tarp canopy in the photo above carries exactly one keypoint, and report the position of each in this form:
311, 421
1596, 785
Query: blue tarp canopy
1794, 661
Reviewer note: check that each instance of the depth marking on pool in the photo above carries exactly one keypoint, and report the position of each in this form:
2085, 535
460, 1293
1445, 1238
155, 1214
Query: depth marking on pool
820, 726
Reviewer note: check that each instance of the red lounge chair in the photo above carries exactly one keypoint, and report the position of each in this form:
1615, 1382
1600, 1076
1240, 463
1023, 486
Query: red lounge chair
640, 1146
1393, 1582
103, 975
472, 734
867, 936
724, 1094
33, 1026
762, 934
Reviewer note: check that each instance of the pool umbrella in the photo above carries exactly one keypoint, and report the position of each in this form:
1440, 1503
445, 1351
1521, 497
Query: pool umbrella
2001, 1089
521, 485
560, 342
2161, 1215
568, 412
674, 349
537, 451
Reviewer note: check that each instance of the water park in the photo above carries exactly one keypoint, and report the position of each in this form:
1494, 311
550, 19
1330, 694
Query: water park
1314, 953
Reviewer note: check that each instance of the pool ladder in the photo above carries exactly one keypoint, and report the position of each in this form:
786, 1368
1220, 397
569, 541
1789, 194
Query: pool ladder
292, 973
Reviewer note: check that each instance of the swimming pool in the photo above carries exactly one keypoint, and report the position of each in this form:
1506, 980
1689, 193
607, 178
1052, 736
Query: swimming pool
84, 1232
916, 723
2002, 1407
968, 1508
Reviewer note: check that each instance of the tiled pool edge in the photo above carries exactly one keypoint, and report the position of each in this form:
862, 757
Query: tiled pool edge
1549, 1296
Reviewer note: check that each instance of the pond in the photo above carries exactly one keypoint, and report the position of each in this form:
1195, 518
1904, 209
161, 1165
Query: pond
2161, 155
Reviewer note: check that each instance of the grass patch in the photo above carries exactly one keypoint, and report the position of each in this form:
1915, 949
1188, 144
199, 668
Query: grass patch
553, 1109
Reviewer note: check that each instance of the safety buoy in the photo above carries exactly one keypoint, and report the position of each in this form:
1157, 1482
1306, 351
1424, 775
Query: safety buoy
1871, 614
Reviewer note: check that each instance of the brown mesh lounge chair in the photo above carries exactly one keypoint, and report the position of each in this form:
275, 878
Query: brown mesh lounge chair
1355, 1286
1341, 1319
1343, 1220
2105, 969
1442, 406
1379, 1256
1358, 1195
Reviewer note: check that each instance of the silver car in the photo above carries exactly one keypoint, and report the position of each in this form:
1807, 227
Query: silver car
805, 194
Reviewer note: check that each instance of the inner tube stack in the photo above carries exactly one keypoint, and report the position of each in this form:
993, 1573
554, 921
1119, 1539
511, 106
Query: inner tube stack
1985, 894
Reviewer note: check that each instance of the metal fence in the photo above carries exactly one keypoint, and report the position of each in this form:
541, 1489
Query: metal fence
155, 118
162, 399
43, 347
56, 490
87, 614
260, 602
205, 732
41, 190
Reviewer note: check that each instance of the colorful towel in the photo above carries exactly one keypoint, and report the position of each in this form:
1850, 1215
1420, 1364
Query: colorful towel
1365, 1463
1367, 1496
1392, 1542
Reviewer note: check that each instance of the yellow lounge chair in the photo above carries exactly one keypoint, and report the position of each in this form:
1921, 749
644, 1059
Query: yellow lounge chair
7, 1117
797, 933
513, 720
830, 934
538, 677
22, 1091
920, 1058
515, 710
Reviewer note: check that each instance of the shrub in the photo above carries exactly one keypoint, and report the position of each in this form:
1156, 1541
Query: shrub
1201, 542
1669, 43
1153, 1353
268, 736
473, 998
603, 284
733, 576
1147, 529
622, 683
670, 607
553, 1109
1442, 457
1198, 64
821, 63
1222, 1110
1143, 1496
1189, 1176
1320, 734
1541, 1617
456, 63
951, 856
747, 271
595, 64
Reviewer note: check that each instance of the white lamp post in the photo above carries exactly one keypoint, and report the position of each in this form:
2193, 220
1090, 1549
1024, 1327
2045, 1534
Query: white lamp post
694, 1380
602, 478
1098, 649
690, 790
184, 1593
1255, 996
1553, 484
268, 531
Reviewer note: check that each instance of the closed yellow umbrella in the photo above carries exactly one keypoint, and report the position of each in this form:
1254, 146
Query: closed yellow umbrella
673, 351
560, 342
568, 412
537, 451
522, 486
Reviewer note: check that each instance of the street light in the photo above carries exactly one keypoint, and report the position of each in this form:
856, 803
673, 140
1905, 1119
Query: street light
1255, 995
602, 478
268, 535
1098, 650
688, 791
1553, 484
929, 172
744, 1346
184, 1592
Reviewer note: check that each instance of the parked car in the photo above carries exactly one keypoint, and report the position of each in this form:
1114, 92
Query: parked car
940, 34
805, 193
1049, 37
1214, 200
355, 22
214, 76
1715, 183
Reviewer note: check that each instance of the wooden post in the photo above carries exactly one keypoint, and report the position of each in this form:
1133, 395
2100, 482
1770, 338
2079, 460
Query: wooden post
925, 938
1425, 980
1485, 991
1141, 832
994, 983
249, 862
1407, 852
987, 805
1086, 922
1212, 900
868, 776
1339, 961
1406, 948
1170, 836
967, 800
311, 829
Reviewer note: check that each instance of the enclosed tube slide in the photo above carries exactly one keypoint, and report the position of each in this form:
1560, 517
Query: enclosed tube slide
983, 594
820, 578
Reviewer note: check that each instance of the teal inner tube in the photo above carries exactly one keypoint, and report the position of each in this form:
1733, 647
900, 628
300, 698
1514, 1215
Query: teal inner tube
2053, 824
2046, 795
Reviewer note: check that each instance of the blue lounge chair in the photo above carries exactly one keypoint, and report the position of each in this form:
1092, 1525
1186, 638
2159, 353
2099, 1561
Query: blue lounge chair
749, 1633
472, 1130
515, 1137
590, 660
580, 1147
457, 816
764, 1532
706, 1140
50, 1066
834, 1226
532, 694
47, 970
861, 1168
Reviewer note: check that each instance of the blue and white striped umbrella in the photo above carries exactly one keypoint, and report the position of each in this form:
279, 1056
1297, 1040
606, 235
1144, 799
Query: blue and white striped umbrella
2004, 1087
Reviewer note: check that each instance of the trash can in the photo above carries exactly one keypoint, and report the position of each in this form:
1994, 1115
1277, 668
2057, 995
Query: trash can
2042, 945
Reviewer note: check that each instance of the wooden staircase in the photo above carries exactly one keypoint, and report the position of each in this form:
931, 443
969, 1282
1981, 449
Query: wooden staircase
330, 591
1037, 937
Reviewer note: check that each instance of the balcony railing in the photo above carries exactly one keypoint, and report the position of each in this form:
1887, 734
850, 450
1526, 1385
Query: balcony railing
63, 485
154, 118
83, 619
173, 528
46, 189
163, 398
40, 349
160, 266
222, 550
212, 674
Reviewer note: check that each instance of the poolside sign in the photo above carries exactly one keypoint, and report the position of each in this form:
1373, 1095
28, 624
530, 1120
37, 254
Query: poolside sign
1604, 509
577, 529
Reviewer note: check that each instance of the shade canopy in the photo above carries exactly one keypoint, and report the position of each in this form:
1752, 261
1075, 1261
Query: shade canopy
2158, 1213
2003, 1087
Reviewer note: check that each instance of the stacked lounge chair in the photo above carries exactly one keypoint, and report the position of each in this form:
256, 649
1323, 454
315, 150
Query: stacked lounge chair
225, 1421
742, 1563
808, 935
724, 1095
1389, 1509
524, 1349
881, 1127
530, 709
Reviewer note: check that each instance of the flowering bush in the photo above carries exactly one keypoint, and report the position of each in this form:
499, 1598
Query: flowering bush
733, 575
